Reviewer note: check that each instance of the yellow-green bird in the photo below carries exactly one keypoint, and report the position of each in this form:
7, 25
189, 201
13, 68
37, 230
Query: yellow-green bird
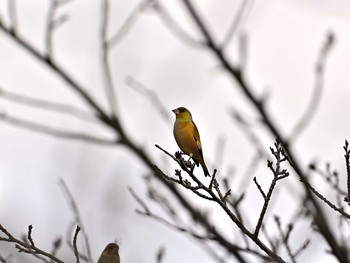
187, 137
110, 254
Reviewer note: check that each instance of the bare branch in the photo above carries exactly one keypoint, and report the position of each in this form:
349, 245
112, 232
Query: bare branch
109, 87
30, 228
47, 105
56, 246
219, 200
150, 94
325, 200
26, 247
13, 15
50, 27
331, 178
174, 27
78, 221
129, 22
278, 174
285, 238
318, 88
236, 75
160, 254
245, 7
76, 253
347, 163
4, 260
59, 71
37, 127
259, 188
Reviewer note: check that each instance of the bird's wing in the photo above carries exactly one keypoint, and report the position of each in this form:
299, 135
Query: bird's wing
197, 138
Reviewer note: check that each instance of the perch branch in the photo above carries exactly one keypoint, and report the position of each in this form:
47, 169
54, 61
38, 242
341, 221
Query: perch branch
237, 76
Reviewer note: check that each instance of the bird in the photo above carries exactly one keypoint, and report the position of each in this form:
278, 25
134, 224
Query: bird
187, 137
110, 254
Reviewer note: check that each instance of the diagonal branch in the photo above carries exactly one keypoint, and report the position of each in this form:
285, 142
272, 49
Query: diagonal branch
221, 201
237, 76
318, 88
46, 105
129, 22
244, 6
26, 247
59, 71
42, 128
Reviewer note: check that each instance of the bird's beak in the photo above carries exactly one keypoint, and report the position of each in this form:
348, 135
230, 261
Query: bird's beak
176, 111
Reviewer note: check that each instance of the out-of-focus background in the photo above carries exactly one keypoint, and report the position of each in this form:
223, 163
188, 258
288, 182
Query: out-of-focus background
283, 42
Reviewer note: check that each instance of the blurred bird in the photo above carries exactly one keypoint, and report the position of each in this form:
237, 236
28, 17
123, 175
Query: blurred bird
187, 137
110, 254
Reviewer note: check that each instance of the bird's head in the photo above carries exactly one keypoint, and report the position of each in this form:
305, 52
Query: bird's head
183, 114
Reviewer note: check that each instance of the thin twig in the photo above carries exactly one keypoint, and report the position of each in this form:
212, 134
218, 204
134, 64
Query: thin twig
174, 27
29, 236
147, 212
26, 247
328, 176
70, 230
129, 22
76, 253
56, 246
78, 219
3, 260
109, 86
347, 164
46, 105
325, 200
73, 84
13, 15
41, 128
285, 238
278, 174
219, 200
244, 7
318, 88
49, 27
150, 94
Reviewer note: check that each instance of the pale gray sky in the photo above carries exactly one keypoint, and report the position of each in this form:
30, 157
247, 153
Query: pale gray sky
284, 39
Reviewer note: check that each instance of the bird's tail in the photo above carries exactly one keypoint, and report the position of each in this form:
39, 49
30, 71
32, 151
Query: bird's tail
205, 169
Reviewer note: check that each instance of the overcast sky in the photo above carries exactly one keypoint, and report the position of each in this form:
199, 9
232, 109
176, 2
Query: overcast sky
283, 42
